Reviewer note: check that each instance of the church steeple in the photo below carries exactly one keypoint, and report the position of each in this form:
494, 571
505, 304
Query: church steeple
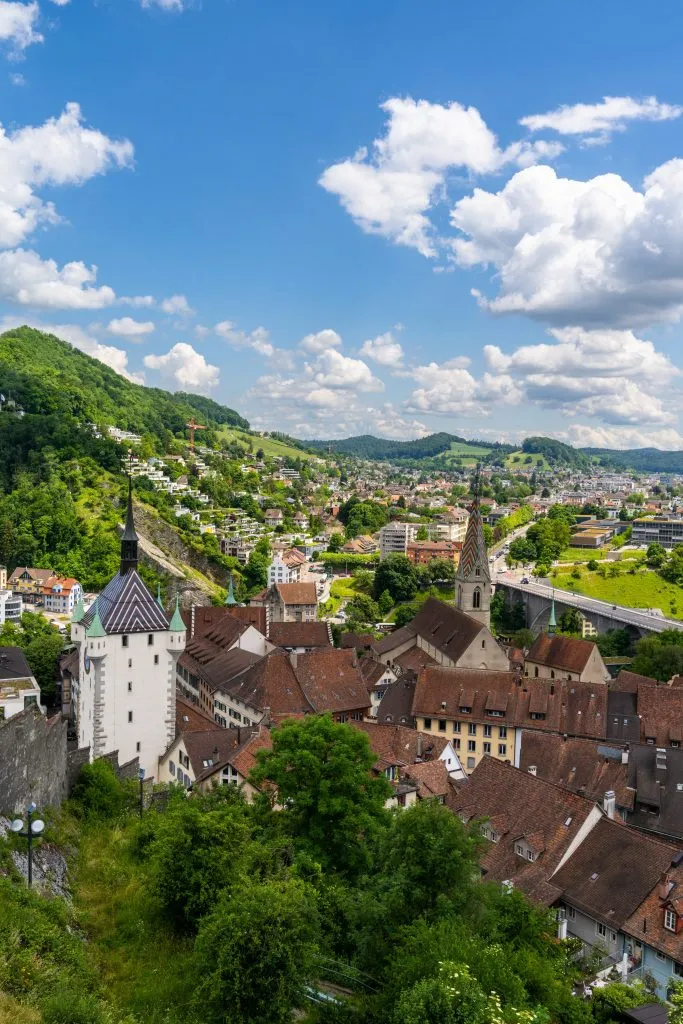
230, 599
129, 539
552, 623
473, 579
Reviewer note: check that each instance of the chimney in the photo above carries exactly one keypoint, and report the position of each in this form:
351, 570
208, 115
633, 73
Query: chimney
660, 766
532, 769
664, 886
420, 744
293, 657
192, 622
609, 803
624, 756
561, 924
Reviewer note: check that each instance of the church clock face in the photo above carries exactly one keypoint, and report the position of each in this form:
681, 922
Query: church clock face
86, 663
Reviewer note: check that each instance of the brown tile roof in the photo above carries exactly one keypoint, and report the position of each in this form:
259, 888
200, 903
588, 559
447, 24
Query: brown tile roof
252, 615
562, 652
300, 634
446, 628
646, 923
331, 681
213, 746
371, 671
397, 702
356, 640
414, 660
244, 758
441, 692
389, 643
579, 709
661, 713
297, 593
37, 575
207, 618
271, 684
612, 872
526, 807
399, 745
431, 778
189, 718
216, 668
628, 682
581, 765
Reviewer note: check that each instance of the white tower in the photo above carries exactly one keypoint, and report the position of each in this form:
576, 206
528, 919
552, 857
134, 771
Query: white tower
473, 579
128, 651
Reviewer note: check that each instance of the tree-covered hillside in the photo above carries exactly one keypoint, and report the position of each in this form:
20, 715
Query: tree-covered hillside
557, 453
365, 446
45, 375
642, 460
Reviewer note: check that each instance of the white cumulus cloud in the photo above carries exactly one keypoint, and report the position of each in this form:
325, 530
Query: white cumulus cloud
62, 151
185, 367
126, 327
257, 340
390, 190
584, 436
595, 253
321, 340
18, 23
332, 370
384, 350
28, 280
599, 120
177, 305
165, 5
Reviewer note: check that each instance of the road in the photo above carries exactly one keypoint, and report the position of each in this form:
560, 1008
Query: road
642, 619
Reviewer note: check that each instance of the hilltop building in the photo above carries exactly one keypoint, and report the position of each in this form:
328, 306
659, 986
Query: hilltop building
127, 650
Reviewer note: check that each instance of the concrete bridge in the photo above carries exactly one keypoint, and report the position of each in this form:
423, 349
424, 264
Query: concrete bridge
537, 598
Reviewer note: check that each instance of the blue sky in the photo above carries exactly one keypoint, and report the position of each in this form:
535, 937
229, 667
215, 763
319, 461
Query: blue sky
351, 217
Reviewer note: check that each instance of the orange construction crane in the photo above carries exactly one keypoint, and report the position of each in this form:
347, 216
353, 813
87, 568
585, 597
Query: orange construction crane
193, 426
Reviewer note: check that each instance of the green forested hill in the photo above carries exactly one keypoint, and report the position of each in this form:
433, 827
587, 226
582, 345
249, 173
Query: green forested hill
365, 446
45, 375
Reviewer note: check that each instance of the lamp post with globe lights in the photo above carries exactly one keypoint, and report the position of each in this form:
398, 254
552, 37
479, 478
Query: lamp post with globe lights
34, 830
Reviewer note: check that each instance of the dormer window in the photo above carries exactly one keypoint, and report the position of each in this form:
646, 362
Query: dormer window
670, 920
465, 710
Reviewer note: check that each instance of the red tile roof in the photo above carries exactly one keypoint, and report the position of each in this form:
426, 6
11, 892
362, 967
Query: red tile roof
297, 593
400, 746
271, 684
646, 923
300, 634
431, 778
522, 806
563, 652
331, 681
582, 765
661, 713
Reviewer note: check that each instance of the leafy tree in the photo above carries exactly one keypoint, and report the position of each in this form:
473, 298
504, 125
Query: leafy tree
195, 852
592, 565
405, 613
422, 533
522, 550
608, 1003
441, 570
656, 555
362, 609
98, 792
398, 575
660, 655
523, 638
336, 542
570, 621
614, 642
255, 953
332, 803
428, 861
385, 603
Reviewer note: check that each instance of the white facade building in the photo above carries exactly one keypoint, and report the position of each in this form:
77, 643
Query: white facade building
280, 572
128, 651
395, 537
11, 607
18, 687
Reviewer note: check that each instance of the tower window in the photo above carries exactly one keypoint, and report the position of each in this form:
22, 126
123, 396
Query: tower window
156, 659
477, 571
130, 687
130, 716
476, 598
124, 640
150, 639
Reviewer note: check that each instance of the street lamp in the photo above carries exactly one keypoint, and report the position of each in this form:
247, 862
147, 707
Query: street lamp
34, 829
141, 777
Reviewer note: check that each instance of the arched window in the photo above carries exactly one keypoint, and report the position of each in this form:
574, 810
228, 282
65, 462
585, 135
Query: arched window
477, 571
476, 598
536, 671
552, 673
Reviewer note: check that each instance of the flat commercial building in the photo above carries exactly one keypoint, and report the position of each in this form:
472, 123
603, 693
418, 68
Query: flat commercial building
667, 532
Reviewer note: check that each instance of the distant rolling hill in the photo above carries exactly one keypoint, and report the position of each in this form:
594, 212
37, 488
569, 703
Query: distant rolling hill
546, 451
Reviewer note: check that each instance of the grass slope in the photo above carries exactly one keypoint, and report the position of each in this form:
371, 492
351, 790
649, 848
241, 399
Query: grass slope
271, 446
644, 590
517, 460
468, 454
